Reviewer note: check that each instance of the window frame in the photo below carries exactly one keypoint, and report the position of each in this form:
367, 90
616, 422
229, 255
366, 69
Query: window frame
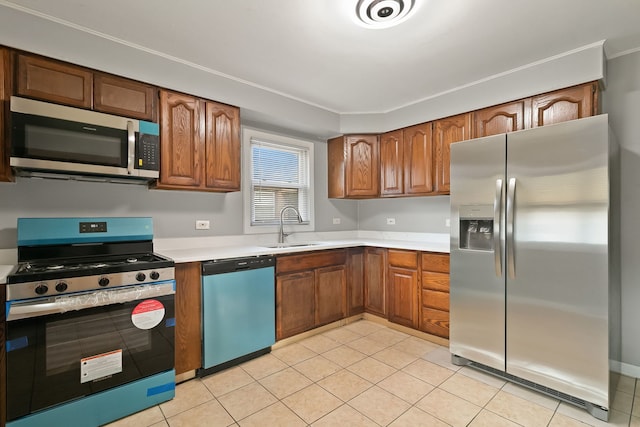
273, 138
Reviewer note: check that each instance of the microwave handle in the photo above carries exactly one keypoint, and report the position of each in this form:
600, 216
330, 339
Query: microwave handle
131, 148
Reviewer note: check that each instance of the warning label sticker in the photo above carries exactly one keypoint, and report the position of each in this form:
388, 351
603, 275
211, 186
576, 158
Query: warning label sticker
100, 366
148, 314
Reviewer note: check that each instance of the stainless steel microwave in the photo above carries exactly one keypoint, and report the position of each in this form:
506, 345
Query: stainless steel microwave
54, 140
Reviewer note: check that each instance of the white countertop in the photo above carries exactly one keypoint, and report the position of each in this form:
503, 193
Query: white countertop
203, 249
4, 270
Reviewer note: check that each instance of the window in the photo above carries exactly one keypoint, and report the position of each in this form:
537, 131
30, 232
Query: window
278, 173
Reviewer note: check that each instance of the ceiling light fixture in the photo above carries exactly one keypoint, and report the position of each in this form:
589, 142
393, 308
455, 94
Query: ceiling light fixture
383, 13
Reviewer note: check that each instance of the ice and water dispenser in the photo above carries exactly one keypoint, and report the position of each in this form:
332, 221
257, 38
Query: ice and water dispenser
476, 227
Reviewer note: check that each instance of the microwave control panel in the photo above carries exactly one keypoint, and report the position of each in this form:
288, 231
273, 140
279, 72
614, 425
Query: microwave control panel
148, 152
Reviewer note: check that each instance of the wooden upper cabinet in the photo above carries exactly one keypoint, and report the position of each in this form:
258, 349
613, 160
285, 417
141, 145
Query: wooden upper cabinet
54, 81
199, 144
446, 132
182, 135
353, 166
5, 93
562, 105
222, 147
124, 97
418, 159
392, 163
502, 118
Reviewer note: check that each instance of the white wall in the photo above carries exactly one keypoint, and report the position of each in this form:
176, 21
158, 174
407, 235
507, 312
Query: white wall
622, 101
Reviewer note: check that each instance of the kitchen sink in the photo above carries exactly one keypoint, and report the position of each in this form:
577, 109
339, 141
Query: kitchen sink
291, 245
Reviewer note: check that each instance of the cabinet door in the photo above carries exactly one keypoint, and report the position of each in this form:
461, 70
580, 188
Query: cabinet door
124, 97
295, 303
563, 105
54, 81
403, 296
446, 132
222, 147
331, 294
418, 159
188, 351
375, 287
355, 281
182, 128
501, 118
362, 166
391, 164
5, 94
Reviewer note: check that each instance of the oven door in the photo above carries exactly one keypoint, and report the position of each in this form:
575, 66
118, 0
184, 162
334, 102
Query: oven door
64, 348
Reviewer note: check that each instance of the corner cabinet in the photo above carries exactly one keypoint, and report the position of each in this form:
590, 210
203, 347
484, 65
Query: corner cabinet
5, 93
199, 144
446, 132
353, 167
375, 281
406, 161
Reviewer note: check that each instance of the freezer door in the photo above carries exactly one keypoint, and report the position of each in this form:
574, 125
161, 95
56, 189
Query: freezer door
477, 316
557, 257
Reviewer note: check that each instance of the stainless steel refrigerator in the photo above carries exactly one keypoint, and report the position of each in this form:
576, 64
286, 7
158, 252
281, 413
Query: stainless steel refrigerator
535, 287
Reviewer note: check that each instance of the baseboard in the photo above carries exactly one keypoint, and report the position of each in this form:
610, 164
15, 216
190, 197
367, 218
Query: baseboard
630, 370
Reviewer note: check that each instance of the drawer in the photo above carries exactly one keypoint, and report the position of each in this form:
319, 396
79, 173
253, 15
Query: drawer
406, 259
435, 262
435, 299
435, 322
310, 260
435, 281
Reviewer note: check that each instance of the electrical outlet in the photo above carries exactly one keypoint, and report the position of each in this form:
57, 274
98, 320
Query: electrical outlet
391, 221
336, 221
202, 224
447, 222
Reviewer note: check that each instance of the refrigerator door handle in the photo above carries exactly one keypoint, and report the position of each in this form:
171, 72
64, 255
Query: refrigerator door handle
497, 247
511, 261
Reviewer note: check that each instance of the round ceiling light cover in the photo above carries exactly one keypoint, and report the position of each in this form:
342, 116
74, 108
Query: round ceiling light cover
383, 13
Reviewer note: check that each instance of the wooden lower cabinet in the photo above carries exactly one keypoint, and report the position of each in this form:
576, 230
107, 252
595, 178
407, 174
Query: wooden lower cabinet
331, 294
375, 281
188, 335
434, 296
3, 359
403, 285
355, 281
295, 303
311, 290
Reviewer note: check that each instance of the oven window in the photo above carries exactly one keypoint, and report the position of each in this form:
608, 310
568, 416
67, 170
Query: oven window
46, 353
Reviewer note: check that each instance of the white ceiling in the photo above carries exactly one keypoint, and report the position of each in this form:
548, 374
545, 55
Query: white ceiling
312, 51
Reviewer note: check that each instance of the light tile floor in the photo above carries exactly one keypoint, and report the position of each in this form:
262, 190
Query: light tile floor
365, 374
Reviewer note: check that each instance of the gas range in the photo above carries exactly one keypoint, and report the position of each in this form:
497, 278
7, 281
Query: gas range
50, 267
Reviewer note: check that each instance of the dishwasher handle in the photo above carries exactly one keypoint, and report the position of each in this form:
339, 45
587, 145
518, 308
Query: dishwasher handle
222, 266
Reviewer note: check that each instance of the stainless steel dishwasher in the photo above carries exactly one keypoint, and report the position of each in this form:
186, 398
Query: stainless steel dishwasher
238, 311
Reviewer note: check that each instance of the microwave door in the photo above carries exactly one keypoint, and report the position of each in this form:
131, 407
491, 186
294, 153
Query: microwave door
477, 294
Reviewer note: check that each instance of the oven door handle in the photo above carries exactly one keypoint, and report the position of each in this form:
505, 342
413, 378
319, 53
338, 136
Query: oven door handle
61, 304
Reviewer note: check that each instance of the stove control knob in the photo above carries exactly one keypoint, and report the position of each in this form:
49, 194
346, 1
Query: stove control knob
104, 281
42, 289
154, 275
140, 277
61, 286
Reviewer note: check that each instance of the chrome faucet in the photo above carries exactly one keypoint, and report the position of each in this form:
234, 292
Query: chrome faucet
282, 234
